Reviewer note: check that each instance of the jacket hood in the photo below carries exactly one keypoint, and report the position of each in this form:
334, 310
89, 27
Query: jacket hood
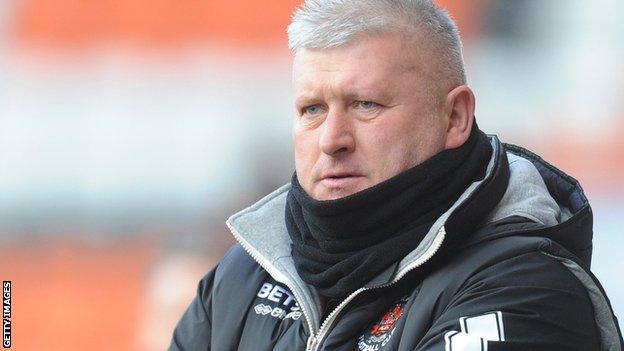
573, 228
518, 185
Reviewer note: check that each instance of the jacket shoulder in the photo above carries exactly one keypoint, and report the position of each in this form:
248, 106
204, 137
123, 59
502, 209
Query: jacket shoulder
533, 284
236, 255
236, 271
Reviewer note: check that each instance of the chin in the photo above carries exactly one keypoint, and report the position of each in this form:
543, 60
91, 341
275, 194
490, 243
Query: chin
332, 196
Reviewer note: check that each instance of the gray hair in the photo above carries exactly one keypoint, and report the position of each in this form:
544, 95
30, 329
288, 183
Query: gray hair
322, 24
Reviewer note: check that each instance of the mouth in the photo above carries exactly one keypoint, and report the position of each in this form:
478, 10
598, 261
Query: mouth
340, 180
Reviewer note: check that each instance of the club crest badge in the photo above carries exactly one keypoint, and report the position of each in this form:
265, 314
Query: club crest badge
380, 332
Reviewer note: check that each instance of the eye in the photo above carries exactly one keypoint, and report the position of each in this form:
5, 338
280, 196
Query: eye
312, 110
367, 105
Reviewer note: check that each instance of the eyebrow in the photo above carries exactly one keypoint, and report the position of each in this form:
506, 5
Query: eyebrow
311, 97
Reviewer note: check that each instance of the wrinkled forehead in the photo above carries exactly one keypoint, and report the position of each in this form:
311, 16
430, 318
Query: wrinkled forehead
382, 60
405, 51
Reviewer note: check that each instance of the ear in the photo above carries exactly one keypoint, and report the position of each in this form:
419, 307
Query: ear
459, 107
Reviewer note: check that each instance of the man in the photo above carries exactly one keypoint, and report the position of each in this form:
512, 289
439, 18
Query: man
404, 226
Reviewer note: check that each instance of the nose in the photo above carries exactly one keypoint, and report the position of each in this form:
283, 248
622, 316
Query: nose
337, 135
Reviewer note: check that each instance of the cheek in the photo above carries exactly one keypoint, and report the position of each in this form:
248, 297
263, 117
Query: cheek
306, 153
399, 148
399, 156
386, 153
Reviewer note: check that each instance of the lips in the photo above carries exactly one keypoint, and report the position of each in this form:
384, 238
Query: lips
339, 174
340, 179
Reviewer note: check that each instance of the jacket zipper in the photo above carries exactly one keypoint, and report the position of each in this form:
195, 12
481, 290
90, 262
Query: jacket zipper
274, 273
315, 338
435, 246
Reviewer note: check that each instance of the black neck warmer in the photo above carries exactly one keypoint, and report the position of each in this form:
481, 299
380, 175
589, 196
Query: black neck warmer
340, 245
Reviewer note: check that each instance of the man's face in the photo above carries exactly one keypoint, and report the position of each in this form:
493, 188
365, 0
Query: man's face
364, 114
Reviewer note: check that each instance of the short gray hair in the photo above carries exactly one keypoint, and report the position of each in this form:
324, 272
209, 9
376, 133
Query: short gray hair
322, 24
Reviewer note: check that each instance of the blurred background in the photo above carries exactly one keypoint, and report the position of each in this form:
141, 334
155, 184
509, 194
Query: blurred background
131, 129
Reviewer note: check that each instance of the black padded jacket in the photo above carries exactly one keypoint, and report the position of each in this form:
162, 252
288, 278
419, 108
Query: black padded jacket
507, 267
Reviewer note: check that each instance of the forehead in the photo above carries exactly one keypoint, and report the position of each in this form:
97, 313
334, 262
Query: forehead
366, 62
390, 48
